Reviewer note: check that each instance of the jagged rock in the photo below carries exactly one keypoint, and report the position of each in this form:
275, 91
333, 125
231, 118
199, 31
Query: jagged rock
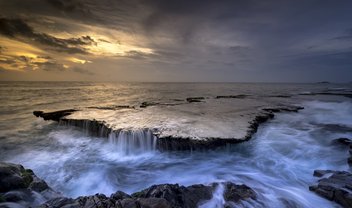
320, 173
61, 202
194, 99
17, 185
119, 195
337, 187
55, 116
153, 203
13, 176
157, 196
235, 193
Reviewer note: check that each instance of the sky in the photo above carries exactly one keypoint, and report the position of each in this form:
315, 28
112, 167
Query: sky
176, 40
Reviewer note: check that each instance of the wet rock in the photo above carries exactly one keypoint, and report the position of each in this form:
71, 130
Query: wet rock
97, 200
235, 193
61, 202
153, 203
337, 187
54, 116
320, 173
119, 195
92, 127
18, 185
192, 196
13, 176
342, 141
194, 99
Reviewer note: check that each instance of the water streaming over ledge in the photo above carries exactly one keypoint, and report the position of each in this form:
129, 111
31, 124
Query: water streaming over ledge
278, 162
131, 142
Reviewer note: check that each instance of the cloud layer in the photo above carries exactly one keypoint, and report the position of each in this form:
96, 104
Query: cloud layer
155, 40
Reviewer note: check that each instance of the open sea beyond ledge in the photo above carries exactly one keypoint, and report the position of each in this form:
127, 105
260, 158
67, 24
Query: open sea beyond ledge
277, 162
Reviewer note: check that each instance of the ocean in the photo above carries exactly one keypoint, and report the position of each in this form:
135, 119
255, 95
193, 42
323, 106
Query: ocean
277, 162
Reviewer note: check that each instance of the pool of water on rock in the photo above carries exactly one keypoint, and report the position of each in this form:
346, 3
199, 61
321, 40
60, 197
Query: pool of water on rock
277, 163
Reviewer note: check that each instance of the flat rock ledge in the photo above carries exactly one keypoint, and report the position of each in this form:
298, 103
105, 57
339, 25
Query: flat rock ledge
165, 143
335, 186
20, 186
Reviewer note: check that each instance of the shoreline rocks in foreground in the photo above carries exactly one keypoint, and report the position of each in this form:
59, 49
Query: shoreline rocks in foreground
335, 186
20, 187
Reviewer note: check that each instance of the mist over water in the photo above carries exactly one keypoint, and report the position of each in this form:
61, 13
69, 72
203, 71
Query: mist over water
278, 162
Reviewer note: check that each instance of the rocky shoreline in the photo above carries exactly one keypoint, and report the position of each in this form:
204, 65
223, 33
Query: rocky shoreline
20, 187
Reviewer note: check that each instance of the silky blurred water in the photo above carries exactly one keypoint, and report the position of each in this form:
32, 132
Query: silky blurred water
278, 162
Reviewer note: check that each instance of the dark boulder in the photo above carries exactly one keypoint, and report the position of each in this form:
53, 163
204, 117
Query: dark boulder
55, 115
235, 193
17, 186
336, 187
13, 176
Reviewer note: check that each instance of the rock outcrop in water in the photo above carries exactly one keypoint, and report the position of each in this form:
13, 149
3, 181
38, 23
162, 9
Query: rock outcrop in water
55, 115
335, 186
167, 142
20, 187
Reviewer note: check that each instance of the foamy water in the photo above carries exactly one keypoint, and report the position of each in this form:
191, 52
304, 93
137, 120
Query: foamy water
278, 162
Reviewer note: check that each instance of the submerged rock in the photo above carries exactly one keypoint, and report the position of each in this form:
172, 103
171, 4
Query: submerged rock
336, 186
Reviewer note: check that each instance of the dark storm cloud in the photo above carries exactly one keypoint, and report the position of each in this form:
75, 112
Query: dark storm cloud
229, 37
17, 29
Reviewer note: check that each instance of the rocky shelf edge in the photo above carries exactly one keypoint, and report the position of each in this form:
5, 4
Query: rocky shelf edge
20, 186
169, 143
335, 186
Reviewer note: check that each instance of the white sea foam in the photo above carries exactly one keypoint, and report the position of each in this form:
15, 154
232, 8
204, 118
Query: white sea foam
278, 162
